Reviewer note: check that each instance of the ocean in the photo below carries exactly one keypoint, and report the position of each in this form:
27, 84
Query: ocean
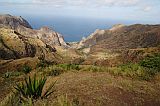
73, 29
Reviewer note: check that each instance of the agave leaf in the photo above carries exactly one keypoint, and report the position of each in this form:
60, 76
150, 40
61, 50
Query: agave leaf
47, 93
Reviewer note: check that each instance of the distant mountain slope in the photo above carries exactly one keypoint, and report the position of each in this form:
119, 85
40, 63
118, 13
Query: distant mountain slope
123, 37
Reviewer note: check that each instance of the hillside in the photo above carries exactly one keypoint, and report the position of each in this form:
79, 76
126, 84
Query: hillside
115, 67
123, 37
20, 25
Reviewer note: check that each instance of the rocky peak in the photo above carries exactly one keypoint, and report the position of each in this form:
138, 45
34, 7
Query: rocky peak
13, 21
46, 34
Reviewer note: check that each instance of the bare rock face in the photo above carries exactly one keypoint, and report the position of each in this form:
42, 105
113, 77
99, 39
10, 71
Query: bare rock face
51, 37
13, 21
20, 25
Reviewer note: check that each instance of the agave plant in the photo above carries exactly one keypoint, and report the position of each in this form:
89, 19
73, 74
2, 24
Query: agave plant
33, 87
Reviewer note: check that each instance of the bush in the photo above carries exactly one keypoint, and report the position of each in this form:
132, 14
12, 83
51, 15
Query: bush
152, 62
94, 69
69, 66
136, 71
43, 64
32, 88
54, 71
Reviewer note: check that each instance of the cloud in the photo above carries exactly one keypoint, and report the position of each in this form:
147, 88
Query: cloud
117, 3
147, 8
89, 2
141, 4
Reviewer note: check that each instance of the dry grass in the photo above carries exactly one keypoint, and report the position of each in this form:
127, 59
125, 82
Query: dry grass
101, 88
97, 86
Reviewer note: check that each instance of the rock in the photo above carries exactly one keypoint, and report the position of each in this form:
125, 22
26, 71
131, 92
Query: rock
13, 21
16, 46
20, 25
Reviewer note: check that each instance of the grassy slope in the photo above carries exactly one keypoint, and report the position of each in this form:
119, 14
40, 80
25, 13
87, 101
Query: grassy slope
103, 89
95, 88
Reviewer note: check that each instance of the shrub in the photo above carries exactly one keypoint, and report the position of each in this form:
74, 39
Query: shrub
43, 64
32, 88
10, 74
94, 69
152, 62
69, 66
136, 71
54, 71
26, 69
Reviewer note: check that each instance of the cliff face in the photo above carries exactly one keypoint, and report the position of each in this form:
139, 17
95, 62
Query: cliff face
21, 26
123, 37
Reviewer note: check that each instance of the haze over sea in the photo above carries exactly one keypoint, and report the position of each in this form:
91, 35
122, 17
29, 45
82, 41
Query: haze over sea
74, 28
77, 18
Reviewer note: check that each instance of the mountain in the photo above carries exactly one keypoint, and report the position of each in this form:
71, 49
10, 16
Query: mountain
122, 37
20, 25
13, 21
21, 45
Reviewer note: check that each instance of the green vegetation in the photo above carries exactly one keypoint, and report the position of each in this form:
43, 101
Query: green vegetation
26, 69
93, 68
53, 71
69, 66
32, 88
134, 70
11, 74
152, 62
42, 64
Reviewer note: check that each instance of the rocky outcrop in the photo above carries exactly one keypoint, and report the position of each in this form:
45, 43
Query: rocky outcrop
13, 45
20, 25
13, 21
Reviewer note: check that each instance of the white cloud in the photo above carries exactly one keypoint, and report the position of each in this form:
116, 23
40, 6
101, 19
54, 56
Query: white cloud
89, 2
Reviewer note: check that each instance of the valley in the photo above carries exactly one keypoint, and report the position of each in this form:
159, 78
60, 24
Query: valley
111, 67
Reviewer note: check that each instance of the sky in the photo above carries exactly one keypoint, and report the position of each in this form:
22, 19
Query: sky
139, 11
144, 10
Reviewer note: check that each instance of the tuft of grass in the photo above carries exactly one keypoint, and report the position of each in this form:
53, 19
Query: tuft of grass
69, 66
53, 71
11, 74
43, 64
93, 69
26, 69
32, 88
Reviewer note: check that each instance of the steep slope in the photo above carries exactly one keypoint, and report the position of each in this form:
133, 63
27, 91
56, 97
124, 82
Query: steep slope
13, 21
123, 37
21, 26
17, 50
15, 46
